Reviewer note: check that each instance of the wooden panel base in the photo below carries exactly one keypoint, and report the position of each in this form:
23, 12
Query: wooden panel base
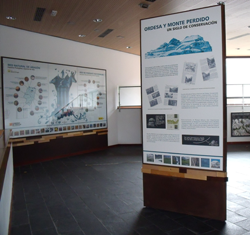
188, 196
46, 148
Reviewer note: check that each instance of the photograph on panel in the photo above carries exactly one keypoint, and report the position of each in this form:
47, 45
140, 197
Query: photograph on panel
208, 69
170, 95
189, 73
172, 121
167, 159
156, 121
195, 161
185, 161
150, 157
176, 160
158, 158
154, 96
205, 162
215, 163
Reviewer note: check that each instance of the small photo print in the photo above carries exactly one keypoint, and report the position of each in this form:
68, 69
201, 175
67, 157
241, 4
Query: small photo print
16, 133
156, 94
153, 103
150, 157
215, 163
167, 159
205, 162
27, 132
21, 132
172, 121
188, 79
156, 121
206, 75
158, 158
47, 130
150, 90
64, 128
211, 63
176, 160
32, 132
153, 94
189, 73
185, 161
195, 161
172, 102
208, 69
171, 95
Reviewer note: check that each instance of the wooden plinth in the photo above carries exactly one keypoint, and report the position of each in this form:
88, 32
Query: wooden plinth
204, 197
48, 147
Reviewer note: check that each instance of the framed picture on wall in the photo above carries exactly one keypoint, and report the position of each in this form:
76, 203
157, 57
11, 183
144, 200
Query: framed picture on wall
240, 124
41, 98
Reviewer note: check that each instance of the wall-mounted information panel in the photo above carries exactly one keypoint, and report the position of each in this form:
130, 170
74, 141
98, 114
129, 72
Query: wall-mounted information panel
182, 89
43, 98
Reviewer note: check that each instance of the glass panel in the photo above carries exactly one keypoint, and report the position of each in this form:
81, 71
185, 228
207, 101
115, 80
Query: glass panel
247, 101
234, 90
246, 90
130, 96
234, 101
237, 70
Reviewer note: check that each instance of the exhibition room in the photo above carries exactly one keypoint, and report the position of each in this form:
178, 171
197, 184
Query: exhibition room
124, 117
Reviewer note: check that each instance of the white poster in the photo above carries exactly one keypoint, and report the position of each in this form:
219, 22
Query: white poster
182, 89
42, 98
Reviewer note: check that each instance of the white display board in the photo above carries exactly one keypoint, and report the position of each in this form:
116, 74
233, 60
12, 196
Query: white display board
43, 98
182, 89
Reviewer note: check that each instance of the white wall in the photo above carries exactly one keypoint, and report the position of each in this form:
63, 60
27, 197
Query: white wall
122, 68
129, 126
235, 109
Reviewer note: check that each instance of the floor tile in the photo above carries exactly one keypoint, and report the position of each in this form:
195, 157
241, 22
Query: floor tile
101, 193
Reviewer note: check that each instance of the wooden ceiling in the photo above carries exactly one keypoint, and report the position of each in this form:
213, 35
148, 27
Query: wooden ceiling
75, 17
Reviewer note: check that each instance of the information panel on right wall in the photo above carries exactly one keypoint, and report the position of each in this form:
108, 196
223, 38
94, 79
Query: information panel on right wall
182, 66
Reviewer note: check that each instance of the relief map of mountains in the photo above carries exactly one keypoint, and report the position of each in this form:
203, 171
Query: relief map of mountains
189, 45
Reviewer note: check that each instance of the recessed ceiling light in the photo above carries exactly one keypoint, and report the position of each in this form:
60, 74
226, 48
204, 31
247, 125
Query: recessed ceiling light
238, 48
81, 35
97, 30
144, 5
71, 22
119, 36
53, 13
97, 20
128, 47
10, 18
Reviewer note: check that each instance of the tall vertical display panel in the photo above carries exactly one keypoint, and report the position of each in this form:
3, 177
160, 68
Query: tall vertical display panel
184, 112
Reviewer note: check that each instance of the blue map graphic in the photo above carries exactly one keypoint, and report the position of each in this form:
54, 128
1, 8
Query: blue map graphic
190, 44
29, 95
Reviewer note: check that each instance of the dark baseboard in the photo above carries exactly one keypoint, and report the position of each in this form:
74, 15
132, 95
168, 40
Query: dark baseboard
245, 142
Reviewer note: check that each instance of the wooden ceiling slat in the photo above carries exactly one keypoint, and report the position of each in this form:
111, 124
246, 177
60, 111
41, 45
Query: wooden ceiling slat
75, 17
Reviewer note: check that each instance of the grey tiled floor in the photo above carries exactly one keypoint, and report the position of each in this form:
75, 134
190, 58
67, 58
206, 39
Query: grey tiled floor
101, 194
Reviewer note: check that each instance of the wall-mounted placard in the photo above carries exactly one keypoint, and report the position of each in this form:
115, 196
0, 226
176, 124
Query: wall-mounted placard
182, 89
240, 124
44, 98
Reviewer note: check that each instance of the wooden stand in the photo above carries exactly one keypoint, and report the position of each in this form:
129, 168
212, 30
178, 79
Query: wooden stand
194, 192
48, 147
